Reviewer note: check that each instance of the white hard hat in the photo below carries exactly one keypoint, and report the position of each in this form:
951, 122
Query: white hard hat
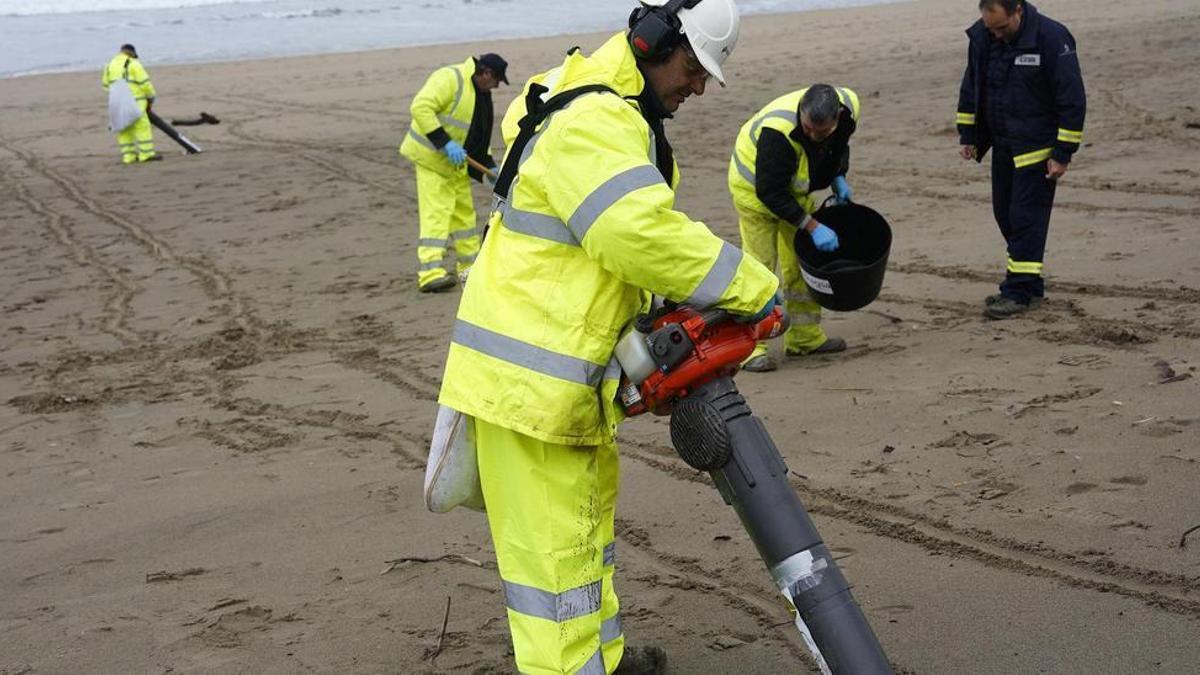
711, 27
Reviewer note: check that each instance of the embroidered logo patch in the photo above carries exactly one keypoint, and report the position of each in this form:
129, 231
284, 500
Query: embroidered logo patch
1029, 60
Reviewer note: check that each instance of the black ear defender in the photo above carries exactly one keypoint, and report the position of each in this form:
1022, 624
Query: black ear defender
655, 32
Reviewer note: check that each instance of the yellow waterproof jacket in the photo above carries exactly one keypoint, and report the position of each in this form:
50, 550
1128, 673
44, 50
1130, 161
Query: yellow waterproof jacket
588, 232
445, 101
139, 79
780, 115
516, 109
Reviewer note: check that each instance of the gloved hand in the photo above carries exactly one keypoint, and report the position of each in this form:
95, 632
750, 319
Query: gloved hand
763, 313
455, 153
824, 238
841, 189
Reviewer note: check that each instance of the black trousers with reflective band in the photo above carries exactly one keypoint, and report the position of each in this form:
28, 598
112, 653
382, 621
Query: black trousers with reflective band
1021, 201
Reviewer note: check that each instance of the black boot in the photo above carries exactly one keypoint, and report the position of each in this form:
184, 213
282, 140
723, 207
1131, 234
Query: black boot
642, 661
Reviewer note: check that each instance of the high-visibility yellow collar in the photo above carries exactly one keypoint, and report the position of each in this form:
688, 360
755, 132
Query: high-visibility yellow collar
613, 64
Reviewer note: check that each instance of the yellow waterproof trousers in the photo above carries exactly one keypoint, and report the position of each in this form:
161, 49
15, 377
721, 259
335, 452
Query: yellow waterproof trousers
137, 140
769, 240
550, 510
447, 216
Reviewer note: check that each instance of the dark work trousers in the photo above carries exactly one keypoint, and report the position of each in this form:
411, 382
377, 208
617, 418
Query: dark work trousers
1022, 200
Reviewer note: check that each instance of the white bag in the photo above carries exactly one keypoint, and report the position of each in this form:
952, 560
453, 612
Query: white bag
452, 473
123, 108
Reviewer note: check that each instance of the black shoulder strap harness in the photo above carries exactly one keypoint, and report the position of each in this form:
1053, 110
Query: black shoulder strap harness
536, 112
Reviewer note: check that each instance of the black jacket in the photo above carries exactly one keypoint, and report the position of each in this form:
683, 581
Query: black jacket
1044, 97
776, 163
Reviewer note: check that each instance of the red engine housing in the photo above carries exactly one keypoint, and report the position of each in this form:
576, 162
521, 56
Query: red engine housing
719, 348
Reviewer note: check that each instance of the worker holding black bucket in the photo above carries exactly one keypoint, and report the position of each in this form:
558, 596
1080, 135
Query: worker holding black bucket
796, 146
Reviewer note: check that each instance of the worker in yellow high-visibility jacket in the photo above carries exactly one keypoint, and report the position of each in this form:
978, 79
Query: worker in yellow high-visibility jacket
136, 141
586, 232
452, 120
796, 145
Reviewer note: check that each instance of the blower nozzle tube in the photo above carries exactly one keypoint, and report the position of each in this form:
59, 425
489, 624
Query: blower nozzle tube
714, 430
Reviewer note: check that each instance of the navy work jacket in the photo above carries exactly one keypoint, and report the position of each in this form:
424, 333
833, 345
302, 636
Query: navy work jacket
1044, 97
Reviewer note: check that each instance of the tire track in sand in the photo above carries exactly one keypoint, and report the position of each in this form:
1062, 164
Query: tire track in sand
217, 286
1160, 590
306, 152
214, 282
116, 309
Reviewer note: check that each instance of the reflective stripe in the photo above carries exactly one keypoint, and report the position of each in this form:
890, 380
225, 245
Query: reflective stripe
422, 140
463, 234
467, 259
594, 665
530, 223
609, 193
966, 118
612, 372
435, 243
536, 225
744, 170
1069, 136
1017, 267
844, 94
556, 607
719, 276
804, 318
610, 554
610, 629
436, 264
798, 296
525, 355
457, 94
1031, 158
446, 119
788, 115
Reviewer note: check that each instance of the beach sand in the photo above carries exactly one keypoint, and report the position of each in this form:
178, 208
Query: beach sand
218, 380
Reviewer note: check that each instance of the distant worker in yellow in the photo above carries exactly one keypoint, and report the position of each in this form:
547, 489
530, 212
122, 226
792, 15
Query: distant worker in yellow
451, 120
796, 145
136, 140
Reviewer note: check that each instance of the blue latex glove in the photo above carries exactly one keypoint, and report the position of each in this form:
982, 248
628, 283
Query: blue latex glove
824, 238
763, 313
841, 189
455, 153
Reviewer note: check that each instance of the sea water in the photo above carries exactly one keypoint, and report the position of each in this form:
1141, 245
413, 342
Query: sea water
63, 35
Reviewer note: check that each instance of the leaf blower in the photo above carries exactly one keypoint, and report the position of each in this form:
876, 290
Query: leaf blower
680, 362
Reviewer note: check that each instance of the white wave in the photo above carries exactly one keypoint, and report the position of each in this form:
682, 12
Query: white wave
37, 7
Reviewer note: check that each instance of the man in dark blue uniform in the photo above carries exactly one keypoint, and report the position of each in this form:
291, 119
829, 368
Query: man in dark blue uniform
1022, 96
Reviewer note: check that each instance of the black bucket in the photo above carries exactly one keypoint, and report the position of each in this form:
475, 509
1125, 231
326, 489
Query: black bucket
850, 277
